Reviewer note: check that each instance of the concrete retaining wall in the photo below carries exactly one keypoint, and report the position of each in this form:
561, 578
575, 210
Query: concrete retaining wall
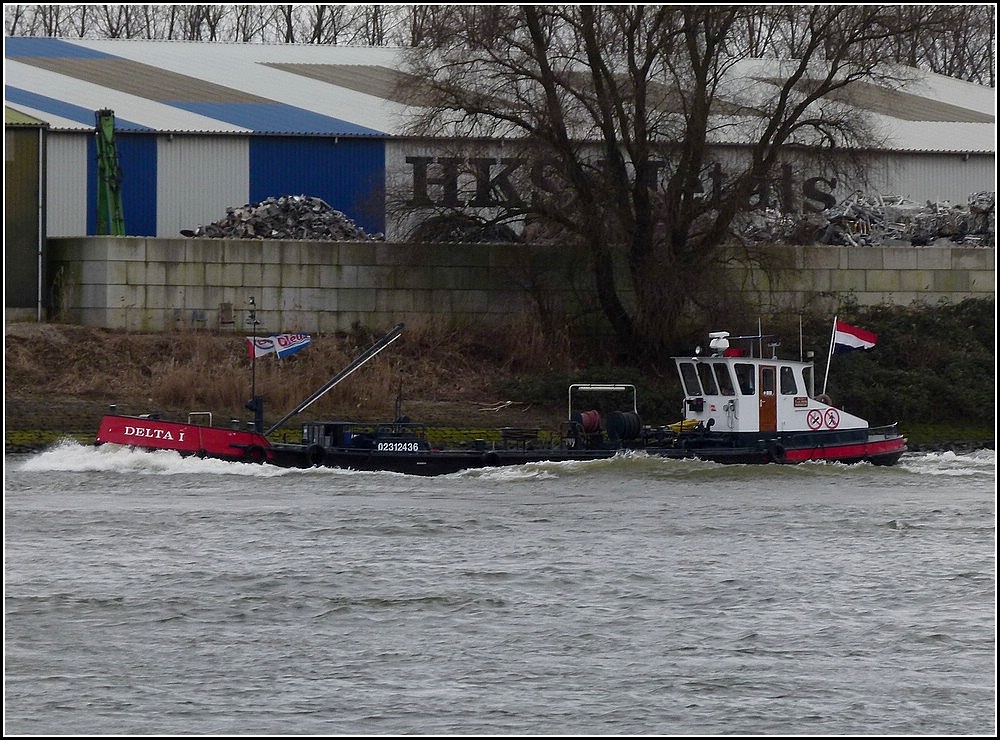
872, 275
146, 284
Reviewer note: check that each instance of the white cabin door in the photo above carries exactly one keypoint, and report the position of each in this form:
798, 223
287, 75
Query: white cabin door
768, 398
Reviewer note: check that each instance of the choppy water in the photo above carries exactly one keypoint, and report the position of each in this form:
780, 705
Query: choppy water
146, 594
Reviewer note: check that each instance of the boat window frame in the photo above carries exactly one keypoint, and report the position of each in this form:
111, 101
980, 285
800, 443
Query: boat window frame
808, 372
705, 373
746, 371
724, 379
688, 367
786, 374
768, 380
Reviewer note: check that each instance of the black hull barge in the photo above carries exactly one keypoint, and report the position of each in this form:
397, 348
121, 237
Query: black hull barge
737, 409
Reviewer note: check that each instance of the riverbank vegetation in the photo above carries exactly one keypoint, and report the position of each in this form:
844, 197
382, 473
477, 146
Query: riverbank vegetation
933, 370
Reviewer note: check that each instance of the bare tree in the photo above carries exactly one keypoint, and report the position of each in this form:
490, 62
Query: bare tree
53, 17
421, 24
372, 24
958, 40
112, 21
16, 19
623, 105
324, 24
965, 44
286, 16
171, 23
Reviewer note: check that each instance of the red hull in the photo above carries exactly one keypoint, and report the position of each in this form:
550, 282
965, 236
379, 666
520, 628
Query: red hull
888, 448
192, 439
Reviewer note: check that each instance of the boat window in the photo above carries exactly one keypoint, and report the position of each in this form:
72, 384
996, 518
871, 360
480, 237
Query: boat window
767, 381
725, 381
707, 379
689, 376
788, 387
745, 377
807, 378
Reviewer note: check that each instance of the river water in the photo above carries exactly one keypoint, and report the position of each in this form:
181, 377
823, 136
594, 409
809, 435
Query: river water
148, 594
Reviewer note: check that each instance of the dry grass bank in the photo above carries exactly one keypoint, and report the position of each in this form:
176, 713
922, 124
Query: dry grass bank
60, 379
64, 376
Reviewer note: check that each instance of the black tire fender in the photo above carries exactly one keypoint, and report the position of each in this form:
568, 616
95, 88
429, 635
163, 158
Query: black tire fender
316, 455
777, 453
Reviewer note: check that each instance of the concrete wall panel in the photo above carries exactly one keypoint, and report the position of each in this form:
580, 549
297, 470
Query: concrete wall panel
152, 285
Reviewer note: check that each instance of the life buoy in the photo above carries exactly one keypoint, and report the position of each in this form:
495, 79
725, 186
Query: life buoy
823, 398
316, 455
777, 453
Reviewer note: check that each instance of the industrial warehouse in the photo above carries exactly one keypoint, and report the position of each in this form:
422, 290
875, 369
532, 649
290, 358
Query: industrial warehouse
206, 132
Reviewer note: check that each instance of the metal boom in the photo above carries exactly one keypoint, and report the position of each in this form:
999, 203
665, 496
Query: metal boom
380, 345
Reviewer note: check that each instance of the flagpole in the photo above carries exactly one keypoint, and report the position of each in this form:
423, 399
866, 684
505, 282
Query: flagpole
256, 403
253, 348
800, 338
829, 354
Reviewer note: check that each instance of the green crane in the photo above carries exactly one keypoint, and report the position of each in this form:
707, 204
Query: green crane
110, 215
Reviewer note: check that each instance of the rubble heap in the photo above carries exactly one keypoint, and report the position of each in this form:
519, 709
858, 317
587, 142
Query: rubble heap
861, 220
287, 217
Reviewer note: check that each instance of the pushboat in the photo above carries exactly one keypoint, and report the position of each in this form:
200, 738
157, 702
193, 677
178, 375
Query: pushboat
738, 407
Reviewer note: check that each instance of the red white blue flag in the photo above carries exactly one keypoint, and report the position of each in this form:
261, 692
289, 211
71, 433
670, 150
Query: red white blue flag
847, 338
259, 346
280, 344
289, 344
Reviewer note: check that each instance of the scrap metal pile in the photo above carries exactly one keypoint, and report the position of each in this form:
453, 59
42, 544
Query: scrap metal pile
866, 221
858, 220
287, 217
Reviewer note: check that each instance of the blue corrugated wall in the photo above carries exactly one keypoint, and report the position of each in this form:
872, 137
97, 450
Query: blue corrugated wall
347, 173
137, 157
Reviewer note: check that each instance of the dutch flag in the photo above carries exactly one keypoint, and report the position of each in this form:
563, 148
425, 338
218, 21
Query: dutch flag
847, 338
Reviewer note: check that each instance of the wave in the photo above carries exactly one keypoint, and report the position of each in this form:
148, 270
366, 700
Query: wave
642, 465
947, 463
980, 463
73, 456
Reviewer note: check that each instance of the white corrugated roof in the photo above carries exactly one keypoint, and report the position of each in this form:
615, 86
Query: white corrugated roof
938, 136
237, 89
955, 92
244, 67
89, 97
